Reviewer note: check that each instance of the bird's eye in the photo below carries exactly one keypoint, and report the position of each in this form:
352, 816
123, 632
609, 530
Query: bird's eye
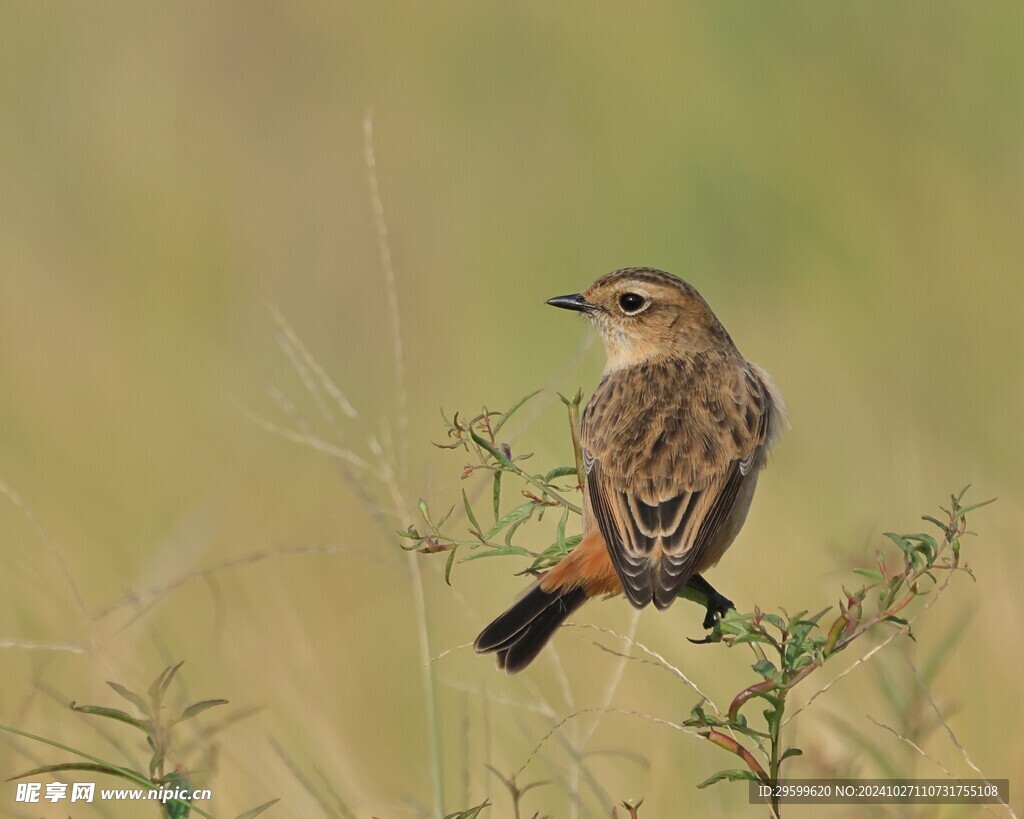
631, 303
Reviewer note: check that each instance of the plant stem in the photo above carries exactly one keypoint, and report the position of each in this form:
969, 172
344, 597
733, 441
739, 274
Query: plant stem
427, 680
774, 763
510, 466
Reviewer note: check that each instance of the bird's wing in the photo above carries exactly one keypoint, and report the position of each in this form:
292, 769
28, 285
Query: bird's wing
663, 481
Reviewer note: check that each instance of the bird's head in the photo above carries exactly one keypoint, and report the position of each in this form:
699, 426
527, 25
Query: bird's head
645, 314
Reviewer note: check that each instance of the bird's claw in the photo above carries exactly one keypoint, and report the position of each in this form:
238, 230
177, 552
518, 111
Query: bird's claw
717, 606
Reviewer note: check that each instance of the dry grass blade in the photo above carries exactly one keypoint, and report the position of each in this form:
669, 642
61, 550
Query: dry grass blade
922, 752
914, 745
445, 653
387, 266
154, 595
307, 440
296, 350
392, 472
616, 676
658, 660
47, 539
339, 808
606, 710
495, 699
952, 736
33, 646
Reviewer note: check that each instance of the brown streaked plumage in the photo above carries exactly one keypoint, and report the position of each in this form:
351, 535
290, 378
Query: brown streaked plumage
674, 437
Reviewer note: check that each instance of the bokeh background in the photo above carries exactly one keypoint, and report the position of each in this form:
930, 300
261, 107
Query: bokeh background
842, 182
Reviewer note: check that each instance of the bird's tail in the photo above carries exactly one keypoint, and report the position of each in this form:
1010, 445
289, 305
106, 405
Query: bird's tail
518, 635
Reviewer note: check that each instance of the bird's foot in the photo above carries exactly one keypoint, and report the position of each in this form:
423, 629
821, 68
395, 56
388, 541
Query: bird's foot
717, 606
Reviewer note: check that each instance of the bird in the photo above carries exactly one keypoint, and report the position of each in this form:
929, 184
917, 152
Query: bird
673, 439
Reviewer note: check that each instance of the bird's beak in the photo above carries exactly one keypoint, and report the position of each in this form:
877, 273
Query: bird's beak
575, 301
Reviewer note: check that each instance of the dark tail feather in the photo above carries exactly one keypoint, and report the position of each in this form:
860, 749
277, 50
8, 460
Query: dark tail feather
520, 633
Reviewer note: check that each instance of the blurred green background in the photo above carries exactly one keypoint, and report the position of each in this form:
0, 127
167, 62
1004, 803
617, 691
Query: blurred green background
843, 183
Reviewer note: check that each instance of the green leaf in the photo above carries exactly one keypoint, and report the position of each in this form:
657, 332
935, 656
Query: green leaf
424, 511
497, 551
801, 661
551, 555
87, 767
251, 814
177, 809
471, 813
469, 512
197, 708
900, 541
448, 566
164, 681
114, 713
926, 538
522, 511
790, 752
444, 518
511, 531
132, 697
871, 574
560, 532
731, 776
813, 621
775, 620
964, 510
750, 638
157, 760
512, 410
154, 689
559, 472
495, 453
765, 668
179, 779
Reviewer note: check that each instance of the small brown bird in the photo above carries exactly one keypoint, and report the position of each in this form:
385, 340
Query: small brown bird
673, 440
